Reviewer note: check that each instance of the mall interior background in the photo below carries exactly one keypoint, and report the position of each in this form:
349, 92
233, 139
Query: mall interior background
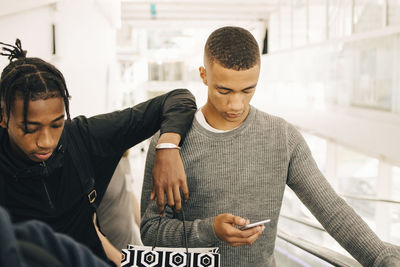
330, 67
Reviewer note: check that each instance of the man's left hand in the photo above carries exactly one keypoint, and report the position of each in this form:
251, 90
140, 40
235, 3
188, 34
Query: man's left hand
169, 175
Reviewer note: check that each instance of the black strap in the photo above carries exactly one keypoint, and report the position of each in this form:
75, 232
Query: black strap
80, 157
185, 240
2, 191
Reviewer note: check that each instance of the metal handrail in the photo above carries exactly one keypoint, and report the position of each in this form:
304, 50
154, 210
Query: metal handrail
328, 255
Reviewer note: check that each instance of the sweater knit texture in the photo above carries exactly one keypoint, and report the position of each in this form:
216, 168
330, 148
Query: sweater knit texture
244, 172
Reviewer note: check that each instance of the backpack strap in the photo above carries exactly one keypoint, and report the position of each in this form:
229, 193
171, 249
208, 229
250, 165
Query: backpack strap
80, 158
2, 191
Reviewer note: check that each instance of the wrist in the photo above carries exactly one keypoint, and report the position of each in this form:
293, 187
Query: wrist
173, 138
167, 146
206, 231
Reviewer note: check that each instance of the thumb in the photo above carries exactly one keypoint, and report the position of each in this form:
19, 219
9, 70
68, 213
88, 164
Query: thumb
153, 194
239, 220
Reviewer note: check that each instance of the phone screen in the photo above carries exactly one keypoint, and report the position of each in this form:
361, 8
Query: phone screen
251, 225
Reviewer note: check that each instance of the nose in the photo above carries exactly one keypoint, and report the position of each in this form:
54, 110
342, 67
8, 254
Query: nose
45, 140
236, 102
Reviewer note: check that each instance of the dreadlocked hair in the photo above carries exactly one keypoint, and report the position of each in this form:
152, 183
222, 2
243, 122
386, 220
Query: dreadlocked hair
233, 48
29, 78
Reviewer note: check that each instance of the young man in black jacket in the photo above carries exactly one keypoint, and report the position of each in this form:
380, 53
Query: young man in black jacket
57, 170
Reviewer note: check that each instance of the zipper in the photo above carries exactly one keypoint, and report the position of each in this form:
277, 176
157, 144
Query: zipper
46, 173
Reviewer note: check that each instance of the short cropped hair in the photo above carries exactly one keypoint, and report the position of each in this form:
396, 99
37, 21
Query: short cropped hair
233, 48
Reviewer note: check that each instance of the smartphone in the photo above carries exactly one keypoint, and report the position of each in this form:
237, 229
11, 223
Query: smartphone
251, 225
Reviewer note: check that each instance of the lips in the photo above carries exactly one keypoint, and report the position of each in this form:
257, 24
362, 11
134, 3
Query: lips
233, 115
43, 156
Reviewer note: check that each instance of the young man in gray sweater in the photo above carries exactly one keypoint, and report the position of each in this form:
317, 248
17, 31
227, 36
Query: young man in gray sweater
238, 161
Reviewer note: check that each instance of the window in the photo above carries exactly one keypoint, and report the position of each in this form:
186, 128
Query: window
318, 147
357, 173
165, 71
368, 15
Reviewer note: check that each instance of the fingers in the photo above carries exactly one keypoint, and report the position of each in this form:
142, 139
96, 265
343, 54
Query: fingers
170, 197
177, 199
94, 218
248, 237
169, 178
226, 230
173, 197
160, 200
185, 190
239, 220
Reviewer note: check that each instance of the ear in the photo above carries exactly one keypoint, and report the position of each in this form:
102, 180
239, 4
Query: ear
3, 123
203, 75
3, 117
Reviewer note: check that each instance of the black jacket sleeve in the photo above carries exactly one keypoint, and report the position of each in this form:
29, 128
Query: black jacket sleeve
113, 133
19, 242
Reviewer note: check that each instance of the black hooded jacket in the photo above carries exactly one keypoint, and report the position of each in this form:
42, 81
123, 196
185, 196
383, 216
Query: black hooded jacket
52, 192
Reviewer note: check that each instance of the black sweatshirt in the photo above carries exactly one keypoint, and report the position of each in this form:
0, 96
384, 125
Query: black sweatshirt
51, 191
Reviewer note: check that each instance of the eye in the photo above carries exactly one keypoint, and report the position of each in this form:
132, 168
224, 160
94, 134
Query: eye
55, 126
223, 91
248, 91
29, 131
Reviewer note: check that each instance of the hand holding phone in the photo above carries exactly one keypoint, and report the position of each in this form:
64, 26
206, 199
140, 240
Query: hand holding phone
251, 225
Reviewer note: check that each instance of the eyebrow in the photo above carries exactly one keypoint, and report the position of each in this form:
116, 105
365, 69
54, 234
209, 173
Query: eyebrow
38, 123
226, 88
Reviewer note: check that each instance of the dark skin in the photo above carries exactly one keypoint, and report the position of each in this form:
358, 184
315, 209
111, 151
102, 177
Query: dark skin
169, 180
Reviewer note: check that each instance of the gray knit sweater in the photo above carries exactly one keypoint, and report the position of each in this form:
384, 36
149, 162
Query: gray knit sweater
244, 172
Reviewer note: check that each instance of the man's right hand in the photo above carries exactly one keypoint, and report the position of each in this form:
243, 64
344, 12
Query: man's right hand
225, 229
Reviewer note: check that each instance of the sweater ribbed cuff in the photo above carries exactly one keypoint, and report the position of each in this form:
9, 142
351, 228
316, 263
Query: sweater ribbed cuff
206, 231
389, 257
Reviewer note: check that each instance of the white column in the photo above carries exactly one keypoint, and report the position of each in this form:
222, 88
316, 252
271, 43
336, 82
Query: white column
331, 164
383, 209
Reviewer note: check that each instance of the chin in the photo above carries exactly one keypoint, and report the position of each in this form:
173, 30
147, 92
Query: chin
238, 119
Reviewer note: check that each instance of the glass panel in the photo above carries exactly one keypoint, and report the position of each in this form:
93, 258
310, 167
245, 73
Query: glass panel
299, 23
318, 147
287, 254
393, 12
286, 26
396, 184
311, 234
339, 18
357, 173
166, 71
317, 21
368, 15
273, 32
373, 72
360, 73
382, 217
293, 207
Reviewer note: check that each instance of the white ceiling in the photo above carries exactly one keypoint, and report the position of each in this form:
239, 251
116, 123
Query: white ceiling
140, 12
